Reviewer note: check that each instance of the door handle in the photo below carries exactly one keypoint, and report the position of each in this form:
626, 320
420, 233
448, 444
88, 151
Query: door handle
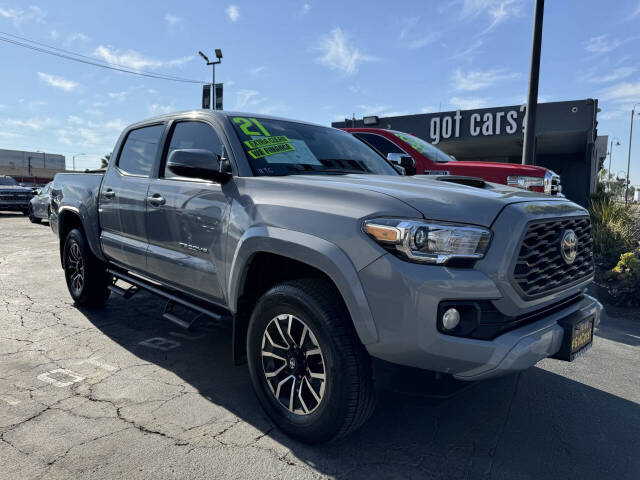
109, 193
156, 200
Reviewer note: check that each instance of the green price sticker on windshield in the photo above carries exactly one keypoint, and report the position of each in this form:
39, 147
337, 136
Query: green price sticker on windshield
263, 142
271, 150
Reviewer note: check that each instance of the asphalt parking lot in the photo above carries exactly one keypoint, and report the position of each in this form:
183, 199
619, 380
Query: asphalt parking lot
119, 392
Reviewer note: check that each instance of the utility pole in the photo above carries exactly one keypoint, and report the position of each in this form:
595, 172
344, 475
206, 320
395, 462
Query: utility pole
218, 53
74, 159
626, 185
610, 154
528, 147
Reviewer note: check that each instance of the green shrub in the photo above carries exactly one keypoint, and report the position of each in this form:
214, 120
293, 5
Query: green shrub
615, 229
623, 281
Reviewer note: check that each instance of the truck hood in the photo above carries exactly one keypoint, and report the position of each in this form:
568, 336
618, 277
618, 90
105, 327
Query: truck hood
434, 199
502, 168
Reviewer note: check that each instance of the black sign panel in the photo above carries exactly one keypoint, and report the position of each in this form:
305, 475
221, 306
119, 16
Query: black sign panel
206, 96
218, 96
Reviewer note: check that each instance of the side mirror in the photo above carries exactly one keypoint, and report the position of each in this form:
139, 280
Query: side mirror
194, 163
403, 160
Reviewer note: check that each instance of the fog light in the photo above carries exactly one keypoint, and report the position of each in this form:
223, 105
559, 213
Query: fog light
451, 319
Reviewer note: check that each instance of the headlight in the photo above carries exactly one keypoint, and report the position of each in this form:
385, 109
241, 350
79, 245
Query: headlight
428, 242
521, 181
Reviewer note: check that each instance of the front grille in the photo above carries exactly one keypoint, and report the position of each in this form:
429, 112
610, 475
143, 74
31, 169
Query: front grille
540, 267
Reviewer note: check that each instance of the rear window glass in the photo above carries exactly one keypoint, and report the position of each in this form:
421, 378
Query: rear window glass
139, 150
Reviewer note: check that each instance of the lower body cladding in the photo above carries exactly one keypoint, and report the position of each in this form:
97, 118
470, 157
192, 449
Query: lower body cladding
406, 301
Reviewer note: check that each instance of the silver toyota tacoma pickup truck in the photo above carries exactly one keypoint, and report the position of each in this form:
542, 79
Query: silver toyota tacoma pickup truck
325, 258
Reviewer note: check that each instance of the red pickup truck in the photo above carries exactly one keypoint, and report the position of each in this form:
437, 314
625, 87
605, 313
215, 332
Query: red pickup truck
430, 160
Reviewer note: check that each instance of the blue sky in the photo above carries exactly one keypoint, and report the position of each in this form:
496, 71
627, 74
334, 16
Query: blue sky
313, 60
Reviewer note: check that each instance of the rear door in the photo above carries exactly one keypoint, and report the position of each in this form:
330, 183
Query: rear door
123, 197
185, 218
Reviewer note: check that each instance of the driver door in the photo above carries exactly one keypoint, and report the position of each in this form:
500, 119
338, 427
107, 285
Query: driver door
185, 219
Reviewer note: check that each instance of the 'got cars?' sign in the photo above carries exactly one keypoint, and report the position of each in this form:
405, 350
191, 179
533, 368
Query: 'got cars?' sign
498, 122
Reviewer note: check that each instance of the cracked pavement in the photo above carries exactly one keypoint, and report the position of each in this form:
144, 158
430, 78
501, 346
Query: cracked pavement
119, 392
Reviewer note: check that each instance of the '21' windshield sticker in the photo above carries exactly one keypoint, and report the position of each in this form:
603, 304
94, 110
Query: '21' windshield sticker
247, 123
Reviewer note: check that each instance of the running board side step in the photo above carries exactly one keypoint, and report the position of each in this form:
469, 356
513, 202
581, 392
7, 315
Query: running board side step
172, 299
126, 293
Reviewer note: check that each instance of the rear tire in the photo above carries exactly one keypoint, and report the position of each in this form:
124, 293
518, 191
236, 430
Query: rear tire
309, 408
87, 277
32, 217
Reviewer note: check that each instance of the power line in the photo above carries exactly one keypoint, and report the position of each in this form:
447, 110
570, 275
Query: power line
51, 47
76, 57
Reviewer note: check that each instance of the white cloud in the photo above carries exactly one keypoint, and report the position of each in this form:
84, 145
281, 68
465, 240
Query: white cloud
233, 12
57, 82
340, 54
35, 124
416, 39
498, 10
173, 20
476, 80
157, 109
612, 75
248, 98
611, 115
468, 103
306, 8
381, 110
18, 17
115, 125
75, 37
93, 111
75, 120
257, 70
625, 92
135, 60
468, 53
119, 96
637, 11
601, 44
428, 109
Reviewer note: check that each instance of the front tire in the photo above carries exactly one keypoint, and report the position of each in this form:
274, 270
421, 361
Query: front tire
309, 370
87, 277
32, 217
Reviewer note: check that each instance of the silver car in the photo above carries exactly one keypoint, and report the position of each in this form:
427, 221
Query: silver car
39, 205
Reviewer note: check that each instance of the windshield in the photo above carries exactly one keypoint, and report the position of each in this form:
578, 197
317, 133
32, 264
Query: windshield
425, 148
8, 181
279, 147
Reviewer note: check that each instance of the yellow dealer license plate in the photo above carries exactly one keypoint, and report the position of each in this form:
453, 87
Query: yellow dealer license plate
581, 337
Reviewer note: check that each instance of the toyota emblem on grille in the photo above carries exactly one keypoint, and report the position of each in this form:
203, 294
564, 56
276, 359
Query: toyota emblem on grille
569, 246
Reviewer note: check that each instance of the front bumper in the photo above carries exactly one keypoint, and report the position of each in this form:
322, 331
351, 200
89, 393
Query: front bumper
14, 206
404, 298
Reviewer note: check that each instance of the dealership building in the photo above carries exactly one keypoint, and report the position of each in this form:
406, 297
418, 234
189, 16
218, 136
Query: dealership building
567, 141
31, 167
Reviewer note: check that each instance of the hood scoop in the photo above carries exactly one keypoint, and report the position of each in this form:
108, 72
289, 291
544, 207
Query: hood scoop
461, 180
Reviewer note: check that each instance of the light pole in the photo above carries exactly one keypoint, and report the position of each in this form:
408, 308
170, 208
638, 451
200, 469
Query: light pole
218, 53
610, 153
528, 146
74, 159
626, 186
